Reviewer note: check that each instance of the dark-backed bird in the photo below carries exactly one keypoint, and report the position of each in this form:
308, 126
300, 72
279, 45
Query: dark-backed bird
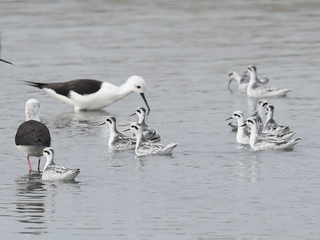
32, 136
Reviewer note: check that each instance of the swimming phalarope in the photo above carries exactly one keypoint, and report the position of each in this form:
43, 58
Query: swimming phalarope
257, 143
271, 127
54, 172
117, 140
32, 136
258, 91
243, 135
87, 94
243, 80
259, 113
148, 133
147, 148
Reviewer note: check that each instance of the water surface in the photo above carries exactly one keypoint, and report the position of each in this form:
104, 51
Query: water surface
210, 187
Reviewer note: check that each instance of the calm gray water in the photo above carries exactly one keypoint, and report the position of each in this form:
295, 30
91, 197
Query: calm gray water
210, 187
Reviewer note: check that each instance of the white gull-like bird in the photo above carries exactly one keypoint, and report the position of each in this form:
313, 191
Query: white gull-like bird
146, 148
243, 80
117, 140
148, 133
54, 172
257, 143
32, 136
88, 94
256, 90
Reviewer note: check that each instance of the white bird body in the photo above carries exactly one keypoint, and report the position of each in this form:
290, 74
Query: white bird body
54, 172
256, 90
147, 148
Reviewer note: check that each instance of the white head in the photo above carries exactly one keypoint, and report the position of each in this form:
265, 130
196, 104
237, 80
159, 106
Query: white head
261, 105
252, 71
138, 85
136, 128
49, 154
141, 112
32, 110
238, 115
252, 123
111, 121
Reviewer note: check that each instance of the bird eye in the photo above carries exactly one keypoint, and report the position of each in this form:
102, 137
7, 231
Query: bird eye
138, 87
237, 115
138, 111
47, 152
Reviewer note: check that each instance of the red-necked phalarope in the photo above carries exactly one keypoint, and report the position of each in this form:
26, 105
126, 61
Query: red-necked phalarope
87, 94
258, 143
32, 136
147, 148
117, 140
54, 172
243, 135
243, 80
256, 90
148, 133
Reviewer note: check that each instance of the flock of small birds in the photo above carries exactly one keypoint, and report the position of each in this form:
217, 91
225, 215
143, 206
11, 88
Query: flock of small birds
260, 130
33, 137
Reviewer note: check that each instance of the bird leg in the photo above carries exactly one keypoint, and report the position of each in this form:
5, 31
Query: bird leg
39, 164
29, 164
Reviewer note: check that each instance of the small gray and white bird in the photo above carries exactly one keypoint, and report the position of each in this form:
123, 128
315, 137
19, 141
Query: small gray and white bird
256, 90
148, 133
32, 136
243, 80
117, 140
258, 143
54, 172
147, 148
243, 135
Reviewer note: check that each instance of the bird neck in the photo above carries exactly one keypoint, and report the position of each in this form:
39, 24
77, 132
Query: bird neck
49, 162
253, 135
124, 89
253, 77
32, 115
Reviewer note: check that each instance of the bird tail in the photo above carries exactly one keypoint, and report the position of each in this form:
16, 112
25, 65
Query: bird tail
34, 84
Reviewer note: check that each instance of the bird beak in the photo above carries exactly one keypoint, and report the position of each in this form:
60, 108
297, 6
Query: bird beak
229, 118
126, 130
102, 123
6, 61
133, 114
243, 125
145, 100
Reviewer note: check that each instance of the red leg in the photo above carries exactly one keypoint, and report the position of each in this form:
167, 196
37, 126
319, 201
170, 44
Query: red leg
29, 163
